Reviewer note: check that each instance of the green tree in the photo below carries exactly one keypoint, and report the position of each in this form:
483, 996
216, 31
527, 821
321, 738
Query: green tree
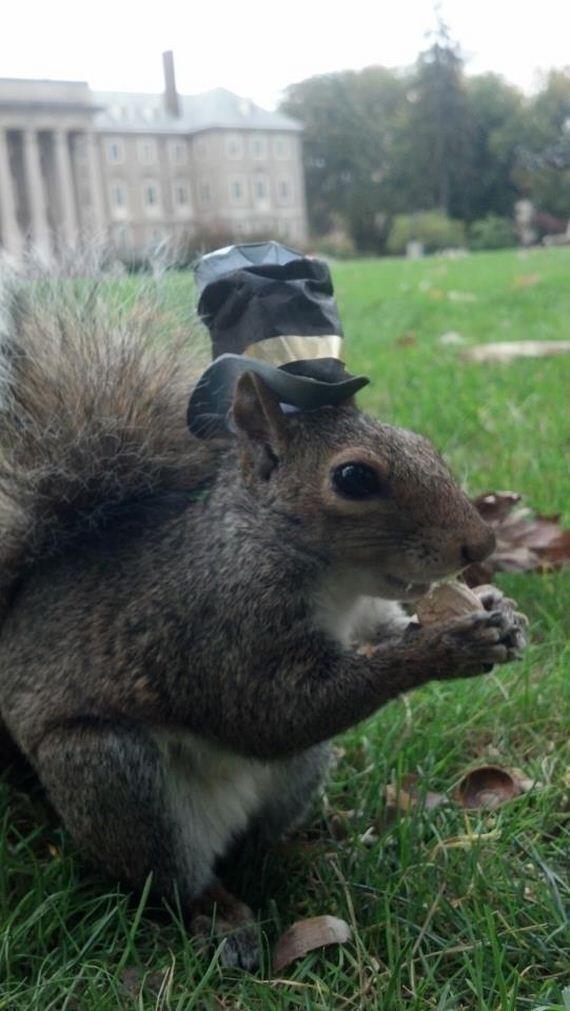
350, 120
543, 170
438, 128
495, 110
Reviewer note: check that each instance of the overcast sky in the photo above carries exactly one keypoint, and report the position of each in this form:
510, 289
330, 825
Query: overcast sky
257, 47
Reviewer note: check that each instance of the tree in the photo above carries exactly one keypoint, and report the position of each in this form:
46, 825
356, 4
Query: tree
350, 123
438, 127
495, 110
543, 168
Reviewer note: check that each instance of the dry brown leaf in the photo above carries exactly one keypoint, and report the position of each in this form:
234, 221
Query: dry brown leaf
445, 601
306, 935
494, 506
461, 296
490, 786
505, 351
525, 281
525, 541
407, 340
409, 795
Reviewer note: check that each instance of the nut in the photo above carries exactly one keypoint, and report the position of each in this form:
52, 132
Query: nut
445, 601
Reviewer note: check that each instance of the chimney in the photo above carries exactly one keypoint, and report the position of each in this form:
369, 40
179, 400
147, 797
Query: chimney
171, 99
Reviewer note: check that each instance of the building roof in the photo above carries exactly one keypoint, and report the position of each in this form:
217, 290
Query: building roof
137, 112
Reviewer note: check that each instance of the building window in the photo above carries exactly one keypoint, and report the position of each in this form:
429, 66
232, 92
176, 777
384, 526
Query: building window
147, 152
204, 193
237, 191
115, 151
284, 191
258, 147
234, 146
201, 147
118, 196
181, 194
178, 152
151, 196
281, 148
181, 198
260, 189
119, 199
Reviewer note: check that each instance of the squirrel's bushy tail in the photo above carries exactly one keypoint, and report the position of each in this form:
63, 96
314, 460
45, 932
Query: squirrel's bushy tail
94, 381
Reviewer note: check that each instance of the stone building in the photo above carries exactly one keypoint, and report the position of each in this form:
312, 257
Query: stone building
137, 170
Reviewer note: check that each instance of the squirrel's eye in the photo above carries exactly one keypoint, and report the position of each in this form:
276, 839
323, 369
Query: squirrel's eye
356, 480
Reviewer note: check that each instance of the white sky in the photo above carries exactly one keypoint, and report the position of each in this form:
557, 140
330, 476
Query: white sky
257, 47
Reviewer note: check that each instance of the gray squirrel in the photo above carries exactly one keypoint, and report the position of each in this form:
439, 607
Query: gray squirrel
179, 613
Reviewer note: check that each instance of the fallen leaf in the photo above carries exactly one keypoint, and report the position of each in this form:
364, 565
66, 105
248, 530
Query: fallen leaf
306, 935
409, 795
495, 505
461, 296
370, 837
526, 541
525, 281
406, 340
463, 841
490, 786
451, 339
505, 351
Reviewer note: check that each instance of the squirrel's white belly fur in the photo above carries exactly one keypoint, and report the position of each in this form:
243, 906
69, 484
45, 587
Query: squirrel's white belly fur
211, 790
220, 791
349, 616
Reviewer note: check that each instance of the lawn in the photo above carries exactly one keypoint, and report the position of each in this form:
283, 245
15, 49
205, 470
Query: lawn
450, 910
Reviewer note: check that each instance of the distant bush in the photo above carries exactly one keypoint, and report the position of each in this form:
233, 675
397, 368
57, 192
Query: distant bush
492, 232
335, 244
433, 229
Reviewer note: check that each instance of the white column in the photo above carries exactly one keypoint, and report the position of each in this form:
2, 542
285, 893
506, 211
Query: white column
9, 228
36, 194
97, 207
64, 177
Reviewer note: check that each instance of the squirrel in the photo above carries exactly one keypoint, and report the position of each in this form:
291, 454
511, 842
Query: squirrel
178, 615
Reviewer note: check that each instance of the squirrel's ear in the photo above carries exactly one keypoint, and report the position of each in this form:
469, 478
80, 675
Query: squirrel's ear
256, 412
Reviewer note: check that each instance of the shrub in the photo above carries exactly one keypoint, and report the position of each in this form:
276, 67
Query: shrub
335, 244
433, 229
492, 232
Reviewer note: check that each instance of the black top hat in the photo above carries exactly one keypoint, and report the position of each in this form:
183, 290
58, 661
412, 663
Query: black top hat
270, 311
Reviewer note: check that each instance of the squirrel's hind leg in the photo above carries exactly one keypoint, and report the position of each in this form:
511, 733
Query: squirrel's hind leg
108, 781
296, 781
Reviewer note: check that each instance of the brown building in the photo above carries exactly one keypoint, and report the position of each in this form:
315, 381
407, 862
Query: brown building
139, 170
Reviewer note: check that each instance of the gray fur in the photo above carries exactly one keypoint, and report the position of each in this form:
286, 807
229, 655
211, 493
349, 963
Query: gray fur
176, 648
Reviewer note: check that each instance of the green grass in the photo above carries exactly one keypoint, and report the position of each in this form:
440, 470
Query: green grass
476, 926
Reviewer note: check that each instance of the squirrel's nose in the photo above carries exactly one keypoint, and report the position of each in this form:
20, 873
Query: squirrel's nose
477, 550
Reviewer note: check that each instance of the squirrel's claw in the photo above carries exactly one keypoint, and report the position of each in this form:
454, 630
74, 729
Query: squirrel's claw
484, 638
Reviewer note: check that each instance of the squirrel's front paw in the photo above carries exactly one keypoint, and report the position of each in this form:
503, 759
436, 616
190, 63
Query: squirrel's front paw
474, 643
494, 599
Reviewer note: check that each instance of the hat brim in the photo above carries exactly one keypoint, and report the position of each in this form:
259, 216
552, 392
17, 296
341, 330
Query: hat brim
212, 397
